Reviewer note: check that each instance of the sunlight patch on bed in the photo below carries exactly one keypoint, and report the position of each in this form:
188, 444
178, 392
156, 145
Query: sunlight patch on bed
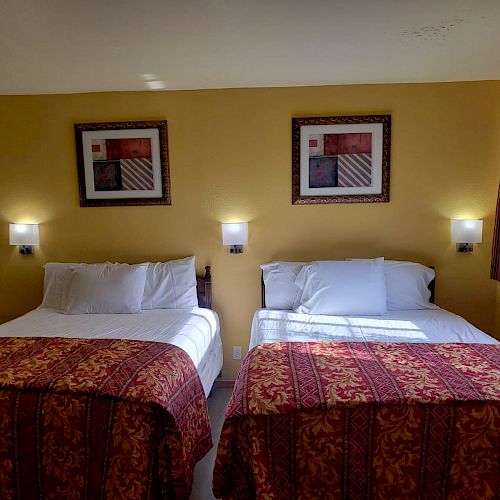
276, 326
389, 329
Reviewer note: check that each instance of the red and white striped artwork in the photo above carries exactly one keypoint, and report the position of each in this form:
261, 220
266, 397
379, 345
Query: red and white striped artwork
137, 174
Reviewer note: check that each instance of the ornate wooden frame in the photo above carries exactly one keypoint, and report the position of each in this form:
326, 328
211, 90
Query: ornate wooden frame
165, 172
298, 199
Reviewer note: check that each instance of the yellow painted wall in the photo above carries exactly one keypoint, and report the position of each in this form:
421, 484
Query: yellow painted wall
230, 155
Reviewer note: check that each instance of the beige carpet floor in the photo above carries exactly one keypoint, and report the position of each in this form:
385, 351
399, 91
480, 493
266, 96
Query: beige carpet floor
202, 484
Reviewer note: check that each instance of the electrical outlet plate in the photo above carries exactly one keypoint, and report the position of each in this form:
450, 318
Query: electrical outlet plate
237, 352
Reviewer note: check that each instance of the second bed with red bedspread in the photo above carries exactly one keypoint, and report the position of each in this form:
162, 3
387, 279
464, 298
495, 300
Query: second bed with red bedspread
363, 420
99, 419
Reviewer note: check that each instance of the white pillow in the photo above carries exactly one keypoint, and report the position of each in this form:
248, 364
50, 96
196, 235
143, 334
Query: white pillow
407, 285
343, 288
281, 292
56, 276
171, 285
104, 289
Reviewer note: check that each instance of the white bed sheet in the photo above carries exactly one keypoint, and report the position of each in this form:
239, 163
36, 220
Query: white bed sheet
429, 325
194, 330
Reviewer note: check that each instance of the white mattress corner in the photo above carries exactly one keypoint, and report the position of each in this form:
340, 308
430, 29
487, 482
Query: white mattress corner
195, 330
428, 325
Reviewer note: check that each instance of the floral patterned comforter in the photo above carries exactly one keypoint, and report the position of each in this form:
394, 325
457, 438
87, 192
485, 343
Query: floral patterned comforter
363, 420
99, 419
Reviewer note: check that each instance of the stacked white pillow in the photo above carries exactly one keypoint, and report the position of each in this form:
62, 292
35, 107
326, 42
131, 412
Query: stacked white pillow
342, 288
171, 285
54, 283
279, 279
104, 289
406, 285
117, 288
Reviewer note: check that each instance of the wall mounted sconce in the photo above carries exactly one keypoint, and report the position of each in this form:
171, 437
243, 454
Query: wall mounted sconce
466, 232
24, 235
235, 235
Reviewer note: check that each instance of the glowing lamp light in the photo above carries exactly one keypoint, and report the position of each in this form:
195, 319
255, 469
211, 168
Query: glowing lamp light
235, 235
25, 236
466, 232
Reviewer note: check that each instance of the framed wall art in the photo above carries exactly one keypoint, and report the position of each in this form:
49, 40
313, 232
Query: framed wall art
123, 163
341, 159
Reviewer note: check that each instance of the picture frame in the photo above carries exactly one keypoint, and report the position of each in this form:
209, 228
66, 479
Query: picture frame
341, 159
123, 163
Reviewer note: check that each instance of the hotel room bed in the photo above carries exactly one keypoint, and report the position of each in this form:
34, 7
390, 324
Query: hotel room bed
195, 330
106, 405
401, 405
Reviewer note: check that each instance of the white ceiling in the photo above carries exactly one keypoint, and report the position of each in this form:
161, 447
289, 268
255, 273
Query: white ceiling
54, 46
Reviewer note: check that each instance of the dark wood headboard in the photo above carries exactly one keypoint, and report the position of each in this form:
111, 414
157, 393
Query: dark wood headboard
204, 289
432, 288
262, 291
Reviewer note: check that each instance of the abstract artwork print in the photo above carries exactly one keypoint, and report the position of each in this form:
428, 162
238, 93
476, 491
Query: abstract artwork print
340, 160
122, 164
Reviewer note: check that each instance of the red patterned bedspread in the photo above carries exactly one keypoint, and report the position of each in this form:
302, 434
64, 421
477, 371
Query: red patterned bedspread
99, 419
363, 420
